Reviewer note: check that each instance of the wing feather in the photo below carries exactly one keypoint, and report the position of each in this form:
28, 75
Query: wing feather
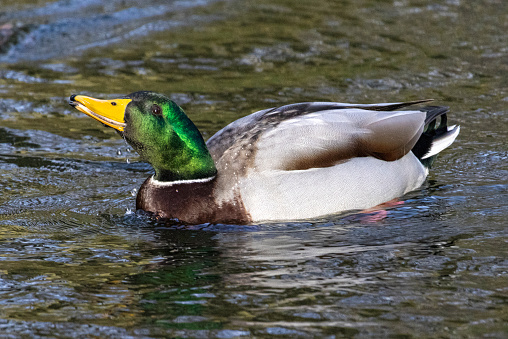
310, 135
329, 137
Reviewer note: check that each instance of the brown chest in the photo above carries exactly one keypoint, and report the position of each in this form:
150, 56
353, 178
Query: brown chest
191, 202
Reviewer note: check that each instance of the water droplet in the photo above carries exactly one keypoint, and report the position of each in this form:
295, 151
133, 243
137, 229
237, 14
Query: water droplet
127, 160
119, 152
134, 192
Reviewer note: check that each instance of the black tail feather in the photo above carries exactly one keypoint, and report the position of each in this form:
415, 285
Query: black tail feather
431, 132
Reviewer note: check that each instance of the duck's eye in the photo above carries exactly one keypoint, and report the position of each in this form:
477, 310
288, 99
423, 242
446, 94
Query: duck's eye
156, 110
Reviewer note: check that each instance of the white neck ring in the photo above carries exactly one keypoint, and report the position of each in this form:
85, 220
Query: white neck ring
158, 183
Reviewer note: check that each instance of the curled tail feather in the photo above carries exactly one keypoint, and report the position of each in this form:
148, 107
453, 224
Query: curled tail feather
434, 139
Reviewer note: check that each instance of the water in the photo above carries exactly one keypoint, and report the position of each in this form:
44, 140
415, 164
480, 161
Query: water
75, 261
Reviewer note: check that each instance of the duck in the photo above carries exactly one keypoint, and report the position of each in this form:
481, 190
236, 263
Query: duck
294, 162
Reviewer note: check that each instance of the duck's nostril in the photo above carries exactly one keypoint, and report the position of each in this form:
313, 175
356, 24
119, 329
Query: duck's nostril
72, 97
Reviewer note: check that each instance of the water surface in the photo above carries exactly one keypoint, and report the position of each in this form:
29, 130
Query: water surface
77, 261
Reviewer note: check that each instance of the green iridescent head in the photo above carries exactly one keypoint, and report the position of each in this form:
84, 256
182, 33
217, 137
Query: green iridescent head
158, 129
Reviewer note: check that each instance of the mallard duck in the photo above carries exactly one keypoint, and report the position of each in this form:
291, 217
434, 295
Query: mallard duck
298, 161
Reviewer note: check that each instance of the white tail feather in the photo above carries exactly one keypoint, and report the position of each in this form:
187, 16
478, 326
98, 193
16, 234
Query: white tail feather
443, 142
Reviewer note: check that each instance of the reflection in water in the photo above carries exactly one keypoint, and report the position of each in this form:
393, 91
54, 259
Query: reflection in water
174, 291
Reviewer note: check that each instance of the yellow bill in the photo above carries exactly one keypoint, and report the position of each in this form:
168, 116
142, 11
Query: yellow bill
109, 112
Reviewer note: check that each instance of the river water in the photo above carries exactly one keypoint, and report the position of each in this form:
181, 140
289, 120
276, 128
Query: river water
76, 260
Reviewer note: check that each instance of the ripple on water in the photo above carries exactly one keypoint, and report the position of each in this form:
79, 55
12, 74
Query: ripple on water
65, 27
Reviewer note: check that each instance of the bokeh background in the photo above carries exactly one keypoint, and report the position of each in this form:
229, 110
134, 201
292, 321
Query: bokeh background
77, 261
